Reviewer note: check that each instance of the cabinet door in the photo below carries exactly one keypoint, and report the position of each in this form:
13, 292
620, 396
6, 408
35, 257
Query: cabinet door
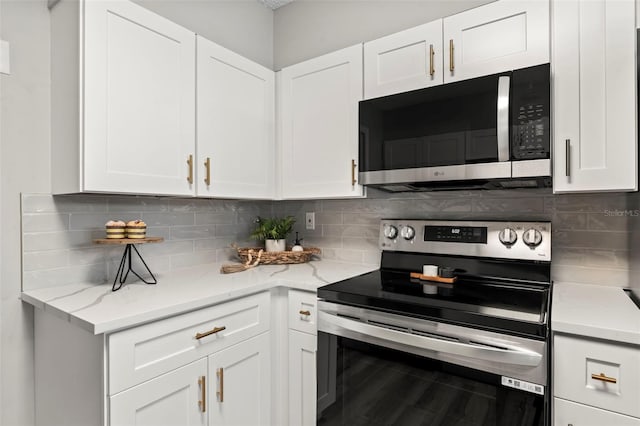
319, 128
404, 61
174, 398
235, 130
496, 37
594, 96
139, 101
240, 383
566, 413
302, 378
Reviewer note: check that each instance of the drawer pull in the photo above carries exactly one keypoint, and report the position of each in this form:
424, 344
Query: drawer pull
305, 313
220, 392
604, 378
210, 332
203, 394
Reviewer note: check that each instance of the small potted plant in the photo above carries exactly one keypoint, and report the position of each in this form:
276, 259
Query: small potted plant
273, 231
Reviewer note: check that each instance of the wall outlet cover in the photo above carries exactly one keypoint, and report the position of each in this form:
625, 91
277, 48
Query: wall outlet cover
310, 220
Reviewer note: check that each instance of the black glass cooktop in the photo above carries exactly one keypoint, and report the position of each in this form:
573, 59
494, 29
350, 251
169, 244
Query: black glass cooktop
481, 297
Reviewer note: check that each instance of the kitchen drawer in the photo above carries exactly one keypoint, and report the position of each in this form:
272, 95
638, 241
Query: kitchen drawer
567, 413
303, 311
577, 359
141, 353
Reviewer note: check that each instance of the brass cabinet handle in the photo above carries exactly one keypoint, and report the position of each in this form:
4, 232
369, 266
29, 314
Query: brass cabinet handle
203, 393
305, 313
207, 165
220, 392
604, 378
353, 172
210, 332
190, 163
432, 69
451, 62
567, 147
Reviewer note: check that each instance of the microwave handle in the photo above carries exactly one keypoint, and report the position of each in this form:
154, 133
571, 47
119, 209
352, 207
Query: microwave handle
503, 118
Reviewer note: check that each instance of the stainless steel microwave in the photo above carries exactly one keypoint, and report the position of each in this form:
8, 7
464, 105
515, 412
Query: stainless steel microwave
487, 132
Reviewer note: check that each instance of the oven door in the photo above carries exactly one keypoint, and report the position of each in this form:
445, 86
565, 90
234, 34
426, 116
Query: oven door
377, 368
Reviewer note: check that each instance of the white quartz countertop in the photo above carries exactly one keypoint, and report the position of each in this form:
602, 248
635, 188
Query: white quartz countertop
595, 311
99, 310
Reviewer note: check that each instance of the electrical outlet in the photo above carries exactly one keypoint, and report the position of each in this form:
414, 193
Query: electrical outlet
310, 220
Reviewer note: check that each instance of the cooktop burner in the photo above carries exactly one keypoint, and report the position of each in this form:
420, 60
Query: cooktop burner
504, 294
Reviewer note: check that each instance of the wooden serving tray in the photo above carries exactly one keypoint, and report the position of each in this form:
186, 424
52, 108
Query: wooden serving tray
121, 241
421, 277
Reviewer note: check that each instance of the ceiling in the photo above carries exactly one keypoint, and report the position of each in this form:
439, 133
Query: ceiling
274, 4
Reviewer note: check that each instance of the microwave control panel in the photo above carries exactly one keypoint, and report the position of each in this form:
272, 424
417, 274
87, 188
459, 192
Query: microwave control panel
530, 111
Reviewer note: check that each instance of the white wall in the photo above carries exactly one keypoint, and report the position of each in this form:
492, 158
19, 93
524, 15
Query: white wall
24, 166
244, 26
308, 28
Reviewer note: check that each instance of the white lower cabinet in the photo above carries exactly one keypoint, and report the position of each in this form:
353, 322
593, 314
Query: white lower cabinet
303, 346
174, 398
302, 378
211, 366
239, 384
567, 413
595, 382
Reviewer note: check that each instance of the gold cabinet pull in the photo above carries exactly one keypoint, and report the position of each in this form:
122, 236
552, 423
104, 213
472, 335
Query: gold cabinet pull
220, 392
353, 172
203, 393
451, 62
207, 166
604, 378
190, 163
305, 313
210, 332
432, 69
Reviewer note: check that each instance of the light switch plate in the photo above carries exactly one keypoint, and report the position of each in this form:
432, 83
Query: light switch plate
5, 62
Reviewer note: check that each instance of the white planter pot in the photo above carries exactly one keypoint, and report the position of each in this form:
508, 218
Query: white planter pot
275, 245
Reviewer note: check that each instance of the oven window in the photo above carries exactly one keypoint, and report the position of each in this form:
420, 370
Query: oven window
364, 384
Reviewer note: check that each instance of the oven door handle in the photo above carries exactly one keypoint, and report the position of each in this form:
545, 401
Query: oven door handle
516, 356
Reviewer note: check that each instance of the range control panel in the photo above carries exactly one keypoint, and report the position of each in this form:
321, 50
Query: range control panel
506, 240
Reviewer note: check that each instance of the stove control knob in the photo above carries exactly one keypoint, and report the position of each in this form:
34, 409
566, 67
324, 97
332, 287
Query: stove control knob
407, 232
532, 237
390, 231
508, 237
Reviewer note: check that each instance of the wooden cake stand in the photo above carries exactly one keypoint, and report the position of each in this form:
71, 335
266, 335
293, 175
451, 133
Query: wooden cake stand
121, 275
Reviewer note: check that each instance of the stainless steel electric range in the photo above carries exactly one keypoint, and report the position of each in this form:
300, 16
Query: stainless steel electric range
451, 330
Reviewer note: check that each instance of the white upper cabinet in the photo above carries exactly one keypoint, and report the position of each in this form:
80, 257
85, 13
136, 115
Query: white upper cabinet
123, 100
319, 126
235, 125
499, 36
594, 95
404, 61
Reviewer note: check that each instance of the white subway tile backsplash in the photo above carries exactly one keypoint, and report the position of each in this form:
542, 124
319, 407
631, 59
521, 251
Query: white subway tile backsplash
44, 222
133, 205
168, 219
192, 232
203, 218
38, 260
591, 240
